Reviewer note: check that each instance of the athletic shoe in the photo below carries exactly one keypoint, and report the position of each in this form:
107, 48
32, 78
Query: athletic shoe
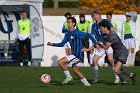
21, 64
29, 63
67, 80
117, 80
132, 77
87, 84
123, 83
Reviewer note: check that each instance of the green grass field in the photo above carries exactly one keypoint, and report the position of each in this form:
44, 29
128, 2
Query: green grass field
27, 80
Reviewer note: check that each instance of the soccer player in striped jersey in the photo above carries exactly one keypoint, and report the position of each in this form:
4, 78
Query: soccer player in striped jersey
120, 52
83, 25
100, 37
75, 38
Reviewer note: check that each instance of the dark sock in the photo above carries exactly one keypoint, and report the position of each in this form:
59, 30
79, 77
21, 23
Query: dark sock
125, 72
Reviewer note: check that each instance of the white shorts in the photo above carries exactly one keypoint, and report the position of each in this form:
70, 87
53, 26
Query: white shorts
102, 52
67, 45
129, 43
73, 60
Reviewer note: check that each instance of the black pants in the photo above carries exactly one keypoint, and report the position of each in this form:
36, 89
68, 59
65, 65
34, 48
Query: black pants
86, 45
24, 43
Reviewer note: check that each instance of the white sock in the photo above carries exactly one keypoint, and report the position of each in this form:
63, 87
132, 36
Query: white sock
132, 59
128, 59
21, 64
29, 63
84, 80
67, 73
91, 58
95, 72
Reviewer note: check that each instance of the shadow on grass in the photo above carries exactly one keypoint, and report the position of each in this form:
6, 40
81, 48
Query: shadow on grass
56, 83
103, 82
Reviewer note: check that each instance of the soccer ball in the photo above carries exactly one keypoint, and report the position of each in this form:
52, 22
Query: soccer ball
45, 78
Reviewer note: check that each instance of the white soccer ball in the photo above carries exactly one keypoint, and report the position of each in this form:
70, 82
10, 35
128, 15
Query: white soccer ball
45, 78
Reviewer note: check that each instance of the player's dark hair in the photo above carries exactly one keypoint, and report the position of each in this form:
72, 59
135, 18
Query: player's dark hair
73, 20
109, 13
105, 23
67, 14
81, 15
23, 11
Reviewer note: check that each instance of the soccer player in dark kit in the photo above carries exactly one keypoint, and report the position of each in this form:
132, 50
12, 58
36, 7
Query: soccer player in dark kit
120, 52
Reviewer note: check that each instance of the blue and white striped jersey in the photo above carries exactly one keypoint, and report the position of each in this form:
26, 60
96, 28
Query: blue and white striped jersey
95, 30
75, 38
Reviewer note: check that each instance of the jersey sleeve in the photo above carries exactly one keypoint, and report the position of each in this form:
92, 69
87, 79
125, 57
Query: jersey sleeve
85, 35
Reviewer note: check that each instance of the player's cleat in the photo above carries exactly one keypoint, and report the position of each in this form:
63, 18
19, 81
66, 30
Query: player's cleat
132, 77
87, 84
21, 64
123, 83
117, 80
29, 63
67, 80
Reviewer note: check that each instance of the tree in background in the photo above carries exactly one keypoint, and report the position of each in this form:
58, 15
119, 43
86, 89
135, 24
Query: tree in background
115, 6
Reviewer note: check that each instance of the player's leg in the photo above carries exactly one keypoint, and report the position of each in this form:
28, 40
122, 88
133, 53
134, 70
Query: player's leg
91, 58
127, 45
63, 65
109, 52
117, 68
79, 74
132, 56
95, 68
96, 57
132, 47
20, 48
129, 74
28, 46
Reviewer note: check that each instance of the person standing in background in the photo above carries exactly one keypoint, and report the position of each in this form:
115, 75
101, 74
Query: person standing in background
128, 38
83, 25
24, 37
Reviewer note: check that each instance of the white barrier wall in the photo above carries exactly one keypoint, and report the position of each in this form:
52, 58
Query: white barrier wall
53, 26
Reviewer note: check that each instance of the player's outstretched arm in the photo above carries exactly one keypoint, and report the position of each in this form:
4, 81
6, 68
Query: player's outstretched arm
61, 44
49, 44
